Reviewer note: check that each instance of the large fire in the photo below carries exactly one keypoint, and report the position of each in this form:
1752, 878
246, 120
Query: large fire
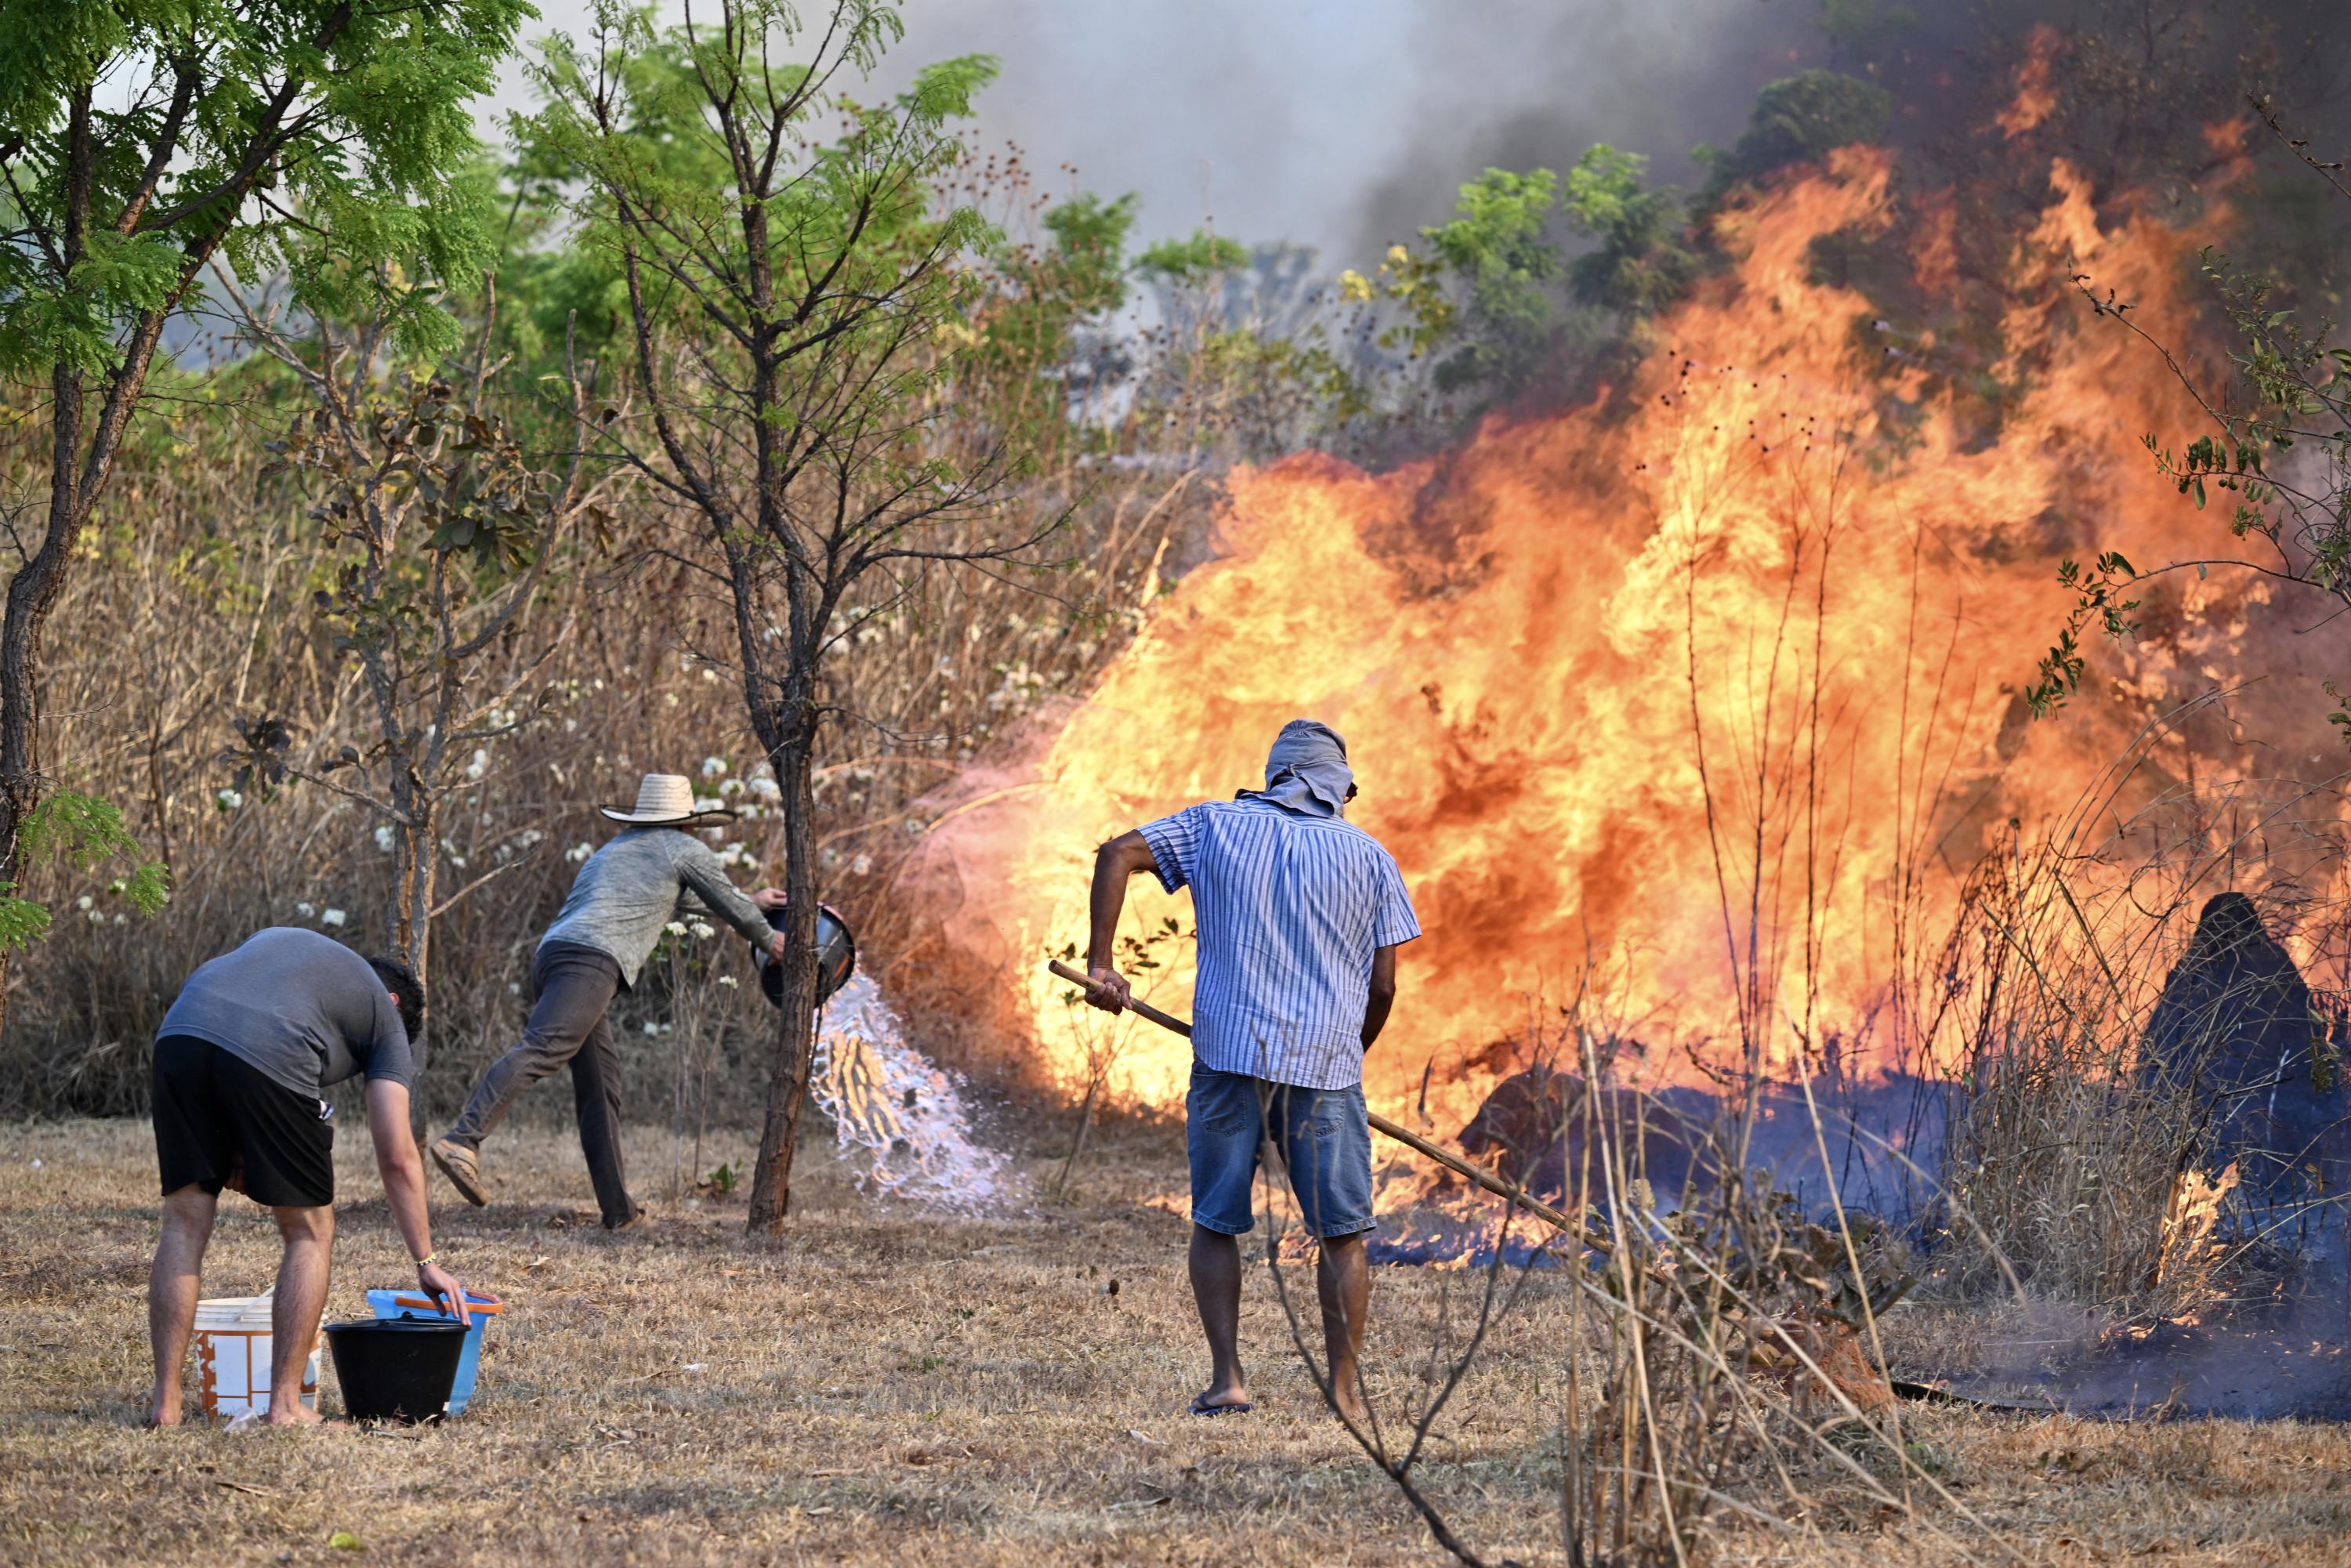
1699, 693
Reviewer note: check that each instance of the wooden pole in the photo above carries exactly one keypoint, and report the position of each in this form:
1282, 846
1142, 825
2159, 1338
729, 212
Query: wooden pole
1409, 1139
1764, 1353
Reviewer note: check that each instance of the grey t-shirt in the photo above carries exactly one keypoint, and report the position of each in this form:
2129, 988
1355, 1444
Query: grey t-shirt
636, 884
299, 1006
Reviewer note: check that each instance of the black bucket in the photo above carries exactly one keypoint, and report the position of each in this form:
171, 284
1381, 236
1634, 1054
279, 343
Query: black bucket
396, 1369
836, 955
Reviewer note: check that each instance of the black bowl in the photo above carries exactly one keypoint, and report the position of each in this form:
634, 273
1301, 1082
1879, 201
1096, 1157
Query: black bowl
836, 955
396, 1369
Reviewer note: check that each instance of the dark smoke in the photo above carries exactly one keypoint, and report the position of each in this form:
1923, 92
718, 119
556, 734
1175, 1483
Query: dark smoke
1339, 127
1347, 128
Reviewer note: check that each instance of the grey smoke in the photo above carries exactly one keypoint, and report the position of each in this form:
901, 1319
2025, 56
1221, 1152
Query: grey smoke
1340, 124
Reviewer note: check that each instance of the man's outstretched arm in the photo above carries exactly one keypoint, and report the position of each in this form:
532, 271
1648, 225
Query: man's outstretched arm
397, 1161
1383, 997
1114, 864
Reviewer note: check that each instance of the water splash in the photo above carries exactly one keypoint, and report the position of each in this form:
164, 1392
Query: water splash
902, 1121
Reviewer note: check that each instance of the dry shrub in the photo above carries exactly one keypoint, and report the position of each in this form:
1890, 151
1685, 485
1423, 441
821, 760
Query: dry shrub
1720, 1369
199, 616
2077, 1166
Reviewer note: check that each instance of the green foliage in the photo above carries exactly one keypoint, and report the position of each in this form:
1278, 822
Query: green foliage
22, 922
2293, 398
1640, 264
310, 137
1496, 246
1497, 309
1417, 283
2299, 387
1240, 357
1027, 328
1800, 119
838, 263
632, 122
1494, 286
2096, 597
1247, 363
1197, 259
1089, 252
81, 832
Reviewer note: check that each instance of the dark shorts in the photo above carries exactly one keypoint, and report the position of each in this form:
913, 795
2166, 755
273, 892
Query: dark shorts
215, 1110
1324, 1135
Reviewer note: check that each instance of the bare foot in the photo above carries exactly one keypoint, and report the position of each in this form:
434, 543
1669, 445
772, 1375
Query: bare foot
1351, 1407
1218, 1399
300, 1416
163, 1407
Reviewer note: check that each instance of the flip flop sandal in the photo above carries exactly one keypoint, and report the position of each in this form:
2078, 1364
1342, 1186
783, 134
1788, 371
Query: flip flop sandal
1200, 1406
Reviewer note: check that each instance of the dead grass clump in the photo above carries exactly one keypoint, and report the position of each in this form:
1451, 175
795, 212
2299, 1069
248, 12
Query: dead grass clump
2105, 1146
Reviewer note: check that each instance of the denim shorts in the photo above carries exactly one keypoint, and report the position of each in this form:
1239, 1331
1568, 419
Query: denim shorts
1323, 1135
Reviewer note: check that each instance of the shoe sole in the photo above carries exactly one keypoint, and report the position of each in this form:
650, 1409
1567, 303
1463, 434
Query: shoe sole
468, 1186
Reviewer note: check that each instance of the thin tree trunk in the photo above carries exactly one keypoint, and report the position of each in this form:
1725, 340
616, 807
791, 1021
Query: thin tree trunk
33, 592
771, 1179
416, 945
77, 477
1078, 1146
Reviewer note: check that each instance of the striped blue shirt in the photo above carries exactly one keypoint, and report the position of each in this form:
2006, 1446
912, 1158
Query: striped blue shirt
1289, 908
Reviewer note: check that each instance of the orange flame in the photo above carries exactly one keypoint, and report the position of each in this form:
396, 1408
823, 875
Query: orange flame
1696, 692
2037, 98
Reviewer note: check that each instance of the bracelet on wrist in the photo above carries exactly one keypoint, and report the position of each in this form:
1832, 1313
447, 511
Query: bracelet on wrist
428, 1258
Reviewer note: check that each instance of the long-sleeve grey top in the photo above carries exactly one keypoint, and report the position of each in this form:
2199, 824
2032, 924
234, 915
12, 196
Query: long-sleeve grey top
636, 884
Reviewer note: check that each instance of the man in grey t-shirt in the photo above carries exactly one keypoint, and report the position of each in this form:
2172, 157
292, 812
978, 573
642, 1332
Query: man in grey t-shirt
620, 901
240, 1061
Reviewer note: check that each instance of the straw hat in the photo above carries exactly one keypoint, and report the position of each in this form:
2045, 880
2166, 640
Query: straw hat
665, 799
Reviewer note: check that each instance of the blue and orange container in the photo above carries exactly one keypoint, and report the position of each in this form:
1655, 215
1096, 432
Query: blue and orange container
414, 1303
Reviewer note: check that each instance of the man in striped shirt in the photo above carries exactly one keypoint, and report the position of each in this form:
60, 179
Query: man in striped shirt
1298, 915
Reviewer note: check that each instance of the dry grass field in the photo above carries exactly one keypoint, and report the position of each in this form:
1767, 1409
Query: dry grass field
884, 1388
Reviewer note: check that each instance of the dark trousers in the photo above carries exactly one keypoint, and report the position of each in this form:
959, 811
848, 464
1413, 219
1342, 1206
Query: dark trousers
571, 988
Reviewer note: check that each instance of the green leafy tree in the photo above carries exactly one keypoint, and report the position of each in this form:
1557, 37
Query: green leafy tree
1497, 250
1240, 363
443, 531
142, 140
1202, 256
1797, 119
1030, 356
82, 833
1640, 264
1193, 279
1496, 291
794, 306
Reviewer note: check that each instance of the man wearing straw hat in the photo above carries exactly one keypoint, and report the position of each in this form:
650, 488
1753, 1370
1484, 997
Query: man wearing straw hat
619, 904
1299, 914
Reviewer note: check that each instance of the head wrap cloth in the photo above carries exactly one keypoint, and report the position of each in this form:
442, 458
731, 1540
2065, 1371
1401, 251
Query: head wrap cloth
1306, 771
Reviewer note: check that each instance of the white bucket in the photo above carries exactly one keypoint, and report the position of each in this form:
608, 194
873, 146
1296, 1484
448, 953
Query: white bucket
233, 1356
